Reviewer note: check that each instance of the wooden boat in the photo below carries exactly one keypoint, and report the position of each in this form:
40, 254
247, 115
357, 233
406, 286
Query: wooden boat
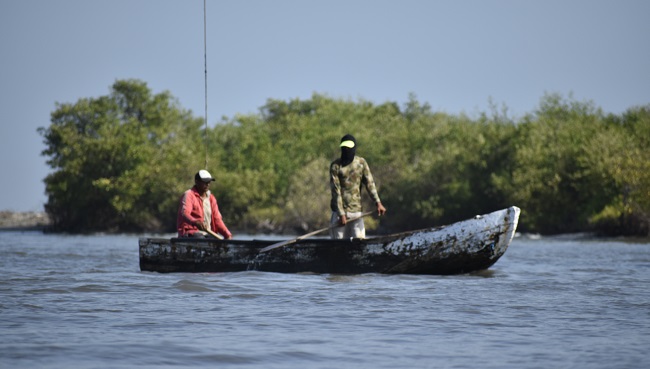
462, 247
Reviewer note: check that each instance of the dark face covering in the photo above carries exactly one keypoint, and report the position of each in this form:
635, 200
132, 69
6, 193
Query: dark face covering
347, 153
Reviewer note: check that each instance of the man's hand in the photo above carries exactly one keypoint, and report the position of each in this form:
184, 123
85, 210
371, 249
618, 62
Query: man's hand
381, 210
343, 220
200, 225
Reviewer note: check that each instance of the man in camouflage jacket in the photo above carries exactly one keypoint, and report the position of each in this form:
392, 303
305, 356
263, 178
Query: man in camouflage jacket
347, 175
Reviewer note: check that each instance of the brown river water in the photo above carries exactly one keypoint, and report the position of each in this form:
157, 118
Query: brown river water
561, 302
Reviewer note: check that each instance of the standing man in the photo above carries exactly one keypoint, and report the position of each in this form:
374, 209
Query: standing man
198, 210
347, 175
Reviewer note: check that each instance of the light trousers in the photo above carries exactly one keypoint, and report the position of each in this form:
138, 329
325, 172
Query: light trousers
353, 229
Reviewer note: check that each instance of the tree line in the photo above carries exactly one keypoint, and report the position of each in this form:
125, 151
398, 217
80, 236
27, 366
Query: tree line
120, 163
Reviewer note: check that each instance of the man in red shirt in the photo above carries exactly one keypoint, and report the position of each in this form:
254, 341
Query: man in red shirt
198, 210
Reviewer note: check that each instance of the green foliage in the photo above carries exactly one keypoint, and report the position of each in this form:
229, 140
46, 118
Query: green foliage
308, 197
622, 157
552, 179
121, 162
113, 157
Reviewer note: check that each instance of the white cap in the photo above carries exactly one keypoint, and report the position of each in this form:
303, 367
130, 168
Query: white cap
203, 175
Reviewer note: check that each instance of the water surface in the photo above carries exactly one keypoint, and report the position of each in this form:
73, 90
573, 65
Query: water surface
82, 302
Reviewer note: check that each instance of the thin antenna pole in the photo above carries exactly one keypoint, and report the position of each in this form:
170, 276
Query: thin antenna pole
205, 63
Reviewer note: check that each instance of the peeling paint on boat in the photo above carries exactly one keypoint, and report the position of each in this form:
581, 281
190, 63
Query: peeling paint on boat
462, 247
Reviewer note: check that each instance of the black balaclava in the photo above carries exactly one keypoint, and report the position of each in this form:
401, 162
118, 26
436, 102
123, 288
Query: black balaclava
347, 153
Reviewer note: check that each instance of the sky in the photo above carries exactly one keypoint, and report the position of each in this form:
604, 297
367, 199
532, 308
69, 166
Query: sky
459, 56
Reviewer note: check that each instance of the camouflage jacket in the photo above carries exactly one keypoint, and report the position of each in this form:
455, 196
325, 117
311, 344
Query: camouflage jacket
346, 182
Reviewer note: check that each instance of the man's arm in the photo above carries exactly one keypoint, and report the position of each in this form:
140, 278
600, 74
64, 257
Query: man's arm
186, 206
369, 183
337, 198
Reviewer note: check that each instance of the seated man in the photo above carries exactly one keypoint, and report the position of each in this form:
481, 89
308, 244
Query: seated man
198, 211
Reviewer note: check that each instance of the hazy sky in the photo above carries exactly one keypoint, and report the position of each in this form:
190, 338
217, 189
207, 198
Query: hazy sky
456, 55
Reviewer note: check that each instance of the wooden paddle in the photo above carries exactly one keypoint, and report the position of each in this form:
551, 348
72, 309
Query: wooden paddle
215, 235
284, 243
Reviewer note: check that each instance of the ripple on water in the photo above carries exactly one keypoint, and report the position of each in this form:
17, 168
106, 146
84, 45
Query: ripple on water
544, 304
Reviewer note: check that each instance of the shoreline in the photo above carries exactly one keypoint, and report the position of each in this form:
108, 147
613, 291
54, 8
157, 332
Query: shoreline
23, 220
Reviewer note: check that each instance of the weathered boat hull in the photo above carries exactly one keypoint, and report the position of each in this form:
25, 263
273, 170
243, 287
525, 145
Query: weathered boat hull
462, 247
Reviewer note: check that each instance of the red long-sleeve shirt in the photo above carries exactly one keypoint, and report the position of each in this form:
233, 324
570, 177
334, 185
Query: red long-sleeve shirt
190, 211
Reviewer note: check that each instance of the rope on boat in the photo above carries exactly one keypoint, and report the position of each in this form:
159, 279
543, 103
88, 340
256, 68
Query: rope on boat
205, 64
